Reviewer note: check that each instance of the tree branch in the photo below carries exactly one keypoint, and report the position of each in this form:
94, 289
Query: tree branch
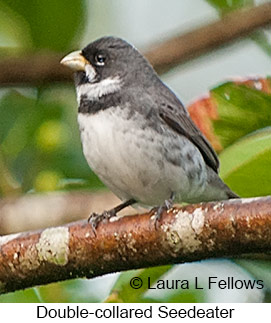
232, 26
44, 68
189, 233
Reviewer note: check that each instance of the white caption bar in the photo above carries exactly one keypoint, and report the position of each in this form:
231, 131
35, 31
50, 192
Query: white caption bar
96, 312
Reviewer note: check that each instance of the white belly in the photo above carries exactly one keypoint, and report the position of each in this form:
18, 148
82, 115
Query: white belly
128, 159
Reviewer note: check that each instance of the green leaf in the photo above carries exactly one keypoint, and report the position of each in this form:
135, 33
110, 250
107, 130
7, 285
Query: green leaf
14, 31
22, 296
40, 144
245, 166
52, 24
241, 110
233, 110
122, 290
260, 269
225, 6
185, 296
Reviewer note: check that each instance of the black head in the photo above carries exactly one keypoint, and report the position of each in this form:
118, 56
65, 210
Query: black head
109, 57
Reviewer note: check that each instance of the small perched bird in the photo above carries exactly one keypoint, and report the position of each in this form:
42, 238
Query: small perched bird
136, 134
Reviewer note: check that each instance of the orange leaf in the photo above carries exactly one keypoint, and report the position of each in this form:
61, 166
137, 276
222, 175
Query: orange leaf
202, 113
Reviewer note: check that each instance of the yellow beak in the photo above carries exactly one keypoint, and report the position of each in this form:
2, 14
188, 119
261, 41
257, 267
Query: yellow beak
75, 60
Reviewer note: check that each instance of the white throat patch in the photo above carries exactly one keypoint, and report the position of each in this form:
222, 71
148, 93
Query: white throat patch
90, 72
94, 91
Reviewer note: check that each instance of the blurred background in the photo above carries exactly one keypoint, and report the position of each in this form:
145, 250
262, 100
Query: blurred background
40, 150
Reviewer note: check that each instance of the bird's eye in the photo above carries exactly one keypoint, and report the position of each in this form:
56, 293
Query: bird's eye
100, 59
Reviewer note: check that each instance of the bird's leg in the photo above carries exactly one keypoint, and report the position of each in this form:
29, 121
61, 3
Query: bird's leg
164, 207
95, 218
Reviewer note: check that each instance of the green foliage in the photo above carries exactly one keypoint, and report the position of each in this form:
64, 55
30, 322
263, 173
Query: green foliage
225, 6
40, 143
72, 291
38, 22
26, 296
259, 269
242, 126
250, 153
241, 111
39, 139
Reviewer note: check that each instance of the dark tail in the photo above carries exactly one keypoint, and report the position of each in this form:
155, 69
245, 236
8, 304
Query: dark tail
218, 189
231, 194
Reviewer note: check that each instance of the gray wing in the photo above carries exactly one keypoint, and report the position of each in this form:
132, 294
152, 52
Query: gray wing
179, 120
160, 101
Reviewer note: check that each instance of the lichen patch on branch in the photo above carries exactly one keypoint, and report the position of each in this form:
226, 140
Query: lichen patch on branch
53, 246
198, 220
182, 233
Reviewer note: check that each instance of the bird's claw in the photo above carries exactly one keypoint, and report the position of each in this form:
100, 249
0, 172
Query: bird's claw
95, 218
160, 209
158, 214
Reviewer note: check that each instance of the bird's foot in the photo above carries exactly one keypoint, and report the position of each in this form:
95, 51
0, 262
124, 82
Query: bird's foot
95, 218
167, 205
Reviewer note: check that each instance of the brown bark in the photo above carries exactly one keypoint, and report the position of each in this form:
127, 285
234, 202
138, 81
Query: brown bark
44, 68
189, 233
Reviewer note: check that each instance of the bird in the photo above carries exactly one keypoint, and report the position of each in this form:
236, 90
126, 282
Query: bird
136, 134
